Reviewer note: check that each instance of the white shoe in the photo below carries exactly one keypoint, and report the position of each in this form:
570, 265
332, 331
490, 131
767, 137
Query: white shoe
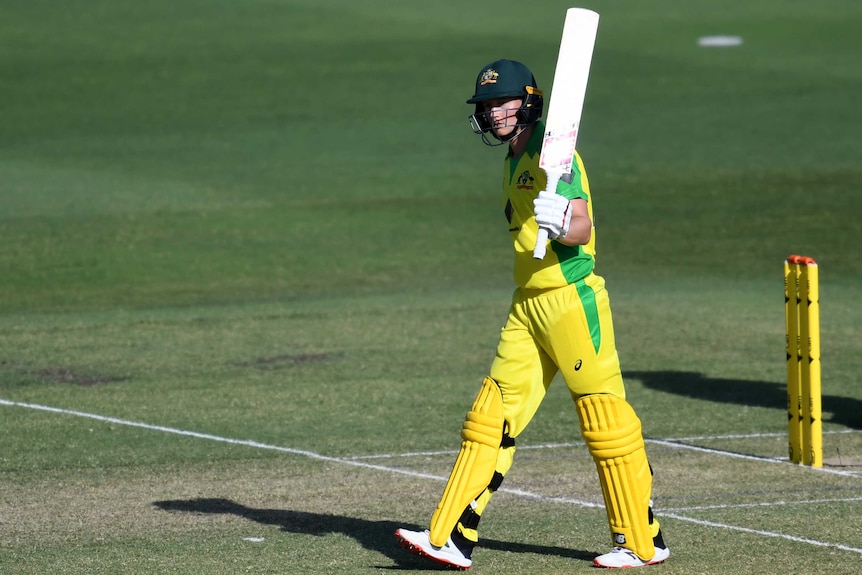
621, 558
417, 542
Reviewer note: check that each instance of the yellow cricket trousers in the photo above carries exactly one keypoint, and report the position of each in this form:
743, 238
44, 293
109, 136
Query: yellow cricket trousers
568, 330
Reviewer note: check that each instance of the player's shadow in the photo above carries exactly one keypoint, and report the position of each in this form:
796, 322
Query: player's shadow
845, 411
376, 536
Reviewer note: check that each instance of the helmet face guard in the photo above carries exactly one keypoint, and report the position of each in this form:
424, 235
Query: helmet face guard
527, 114
505, 80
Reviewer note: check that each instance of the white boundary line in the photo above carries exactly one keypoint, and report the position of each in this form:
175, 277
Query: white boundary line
517, 492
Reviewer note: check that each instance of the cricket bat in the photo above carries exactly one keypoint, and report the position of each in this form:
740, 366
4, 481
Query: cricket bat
567, 102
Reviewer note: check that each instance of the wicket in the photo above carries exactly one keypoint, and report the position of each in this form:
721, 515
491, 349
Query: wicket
802, 318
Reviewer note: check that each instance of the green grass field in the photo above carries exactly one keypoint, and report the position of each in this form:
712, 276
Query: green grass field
253, 270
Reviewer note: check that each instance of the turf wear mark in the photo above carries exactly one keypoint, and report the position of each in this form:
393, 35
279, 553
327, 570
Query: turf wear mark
283, 360
63, 375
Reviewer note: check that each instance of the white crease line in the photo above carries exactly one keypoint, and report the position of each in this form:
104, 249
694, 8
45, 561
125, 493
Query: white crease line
293, 451
763, 504
318, 457
400, 455
793, 538
244, 442
454, 452
780, 461
672, 443
753, 435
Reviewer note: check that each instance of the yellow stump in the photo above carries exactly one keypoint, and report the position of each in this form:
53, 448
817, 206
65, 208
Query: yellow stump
794, 390
802, 318
812, 412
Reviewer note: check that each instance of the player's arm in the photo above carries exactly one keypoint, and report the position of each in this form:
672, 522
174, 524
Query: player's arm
580, 225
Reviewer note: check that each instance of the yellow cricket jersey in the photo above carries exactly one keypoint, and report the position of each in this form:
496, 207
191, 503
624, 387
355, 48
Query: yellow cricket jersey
523, 179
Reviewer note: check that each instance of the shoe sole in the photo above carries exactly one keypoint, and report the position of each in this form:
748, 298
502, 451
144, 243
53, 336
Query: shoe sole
418, 551
597, 564
647, 564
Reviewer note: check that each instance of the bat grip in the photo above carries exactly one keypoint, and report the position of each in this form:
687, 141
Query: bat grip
541, 243
542, 235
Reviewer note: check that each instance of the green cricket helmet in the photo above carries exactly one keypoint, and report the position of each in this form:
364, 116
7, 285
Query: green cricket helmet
505, 79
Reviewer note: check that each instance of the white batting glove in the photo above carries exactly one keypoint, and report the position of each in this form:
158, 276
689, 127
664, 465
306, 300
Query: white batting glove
553, 212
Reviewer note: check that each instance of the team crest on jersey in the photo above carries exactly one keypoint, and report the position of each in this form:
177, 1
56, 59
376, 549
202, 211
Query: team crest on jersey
489, 77
525, 181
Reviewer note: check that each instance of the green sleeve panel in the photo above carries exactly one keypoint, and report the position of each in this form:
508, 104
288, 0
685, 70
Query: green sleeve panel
574, 188
576, 262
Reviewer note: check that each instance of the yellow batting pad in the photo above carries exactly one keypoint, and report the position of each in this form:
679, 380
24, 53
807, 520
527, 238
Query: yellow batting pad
481, 437
612, 432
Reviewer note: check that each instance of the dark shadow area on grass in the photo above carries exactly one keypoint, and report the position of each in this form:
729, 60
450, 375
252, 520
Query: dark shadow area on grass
845, 411
376, 536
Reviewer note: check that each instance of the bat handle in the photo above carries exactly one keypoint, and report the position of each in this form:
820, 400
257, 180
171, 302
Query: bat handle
542, 235
541, 243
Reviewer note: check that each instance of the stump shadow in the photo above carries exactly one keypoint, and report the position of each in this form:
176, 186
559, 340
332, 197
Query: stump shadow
846, 411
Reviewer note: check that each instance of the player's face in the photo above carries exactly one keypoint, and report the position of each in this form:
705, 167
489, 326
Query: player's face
502, 114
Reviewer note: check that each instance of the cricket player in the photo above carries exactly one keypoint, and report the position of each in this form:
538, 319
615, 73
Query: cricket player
559, 321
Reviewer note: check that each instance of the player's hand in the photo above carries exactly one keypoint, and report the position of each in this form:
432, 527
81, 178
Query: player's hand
553, 212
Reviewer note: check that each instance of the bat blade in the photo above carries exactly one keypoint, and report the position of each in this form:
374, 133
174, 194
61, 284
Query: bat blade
567, 101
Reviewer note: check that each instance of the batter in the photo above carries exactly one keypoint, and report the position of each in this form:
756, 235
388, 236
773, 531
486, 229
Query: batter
559, 322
